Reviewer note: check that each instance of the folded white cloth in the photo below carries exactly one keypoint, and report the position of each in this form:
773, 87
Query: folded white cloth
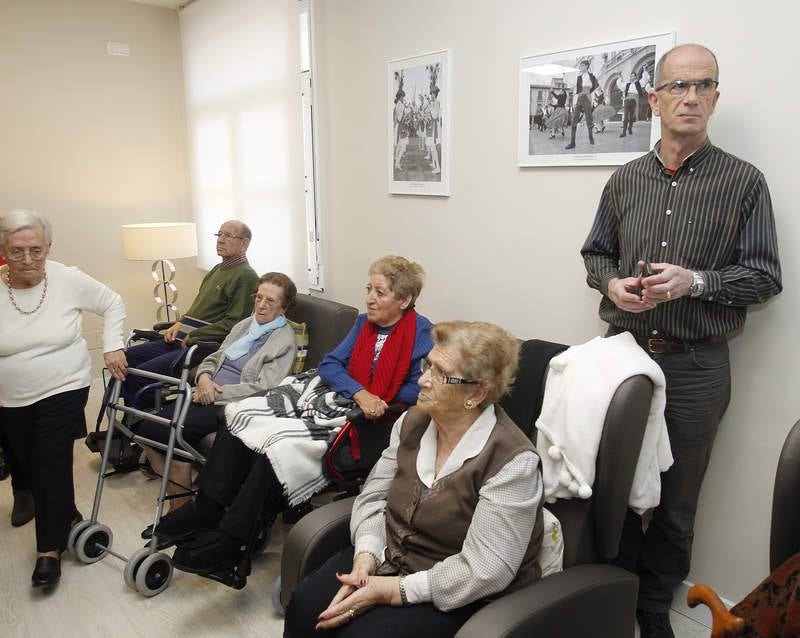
580, 385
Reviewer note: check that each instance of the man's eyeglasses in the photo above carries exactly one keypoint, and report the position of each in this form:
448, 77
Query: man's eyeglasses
704, 88
18, 254
439, 377
226, 236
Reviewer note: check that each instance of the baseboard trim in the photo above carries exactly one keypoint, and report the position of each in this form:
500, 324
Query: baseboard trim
699, 614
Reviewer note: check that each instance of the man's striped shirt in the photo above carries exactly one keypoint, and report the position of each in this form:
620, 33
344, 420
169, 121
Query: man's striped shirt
713, 215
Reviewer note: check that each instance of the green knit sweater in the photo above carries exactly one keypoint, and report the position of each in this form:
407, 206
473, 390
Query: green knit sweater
224, 299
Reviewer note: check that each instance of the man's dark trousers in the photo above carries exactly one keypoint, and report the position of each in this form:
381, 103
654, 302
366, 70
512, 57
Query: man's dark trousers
698, 391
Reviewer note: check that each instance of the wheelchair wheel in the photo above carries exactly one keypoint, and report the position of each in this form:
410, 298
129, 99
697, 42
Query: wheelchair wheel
154, 574
74, 533
277, 605
132, 566
88, 543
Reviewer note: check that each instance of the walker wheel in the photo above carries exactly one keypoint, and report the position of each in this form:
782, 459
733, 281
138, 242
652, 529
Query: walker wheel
132, 566
154, 574
87, 545
74, 533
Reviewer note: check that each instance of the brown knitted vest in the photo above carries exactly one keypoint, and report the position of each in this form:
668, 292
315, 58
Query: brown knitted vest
426, 525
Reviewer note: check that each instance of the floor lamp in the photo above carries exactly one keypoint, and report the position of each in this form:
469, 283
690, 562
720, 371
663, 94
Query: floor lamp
160, 242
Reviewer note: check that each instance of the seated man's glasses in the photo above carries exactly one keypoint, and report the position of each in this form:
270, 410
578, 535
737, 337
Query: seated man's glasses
226, 236
439, 377
18, 254
704, 88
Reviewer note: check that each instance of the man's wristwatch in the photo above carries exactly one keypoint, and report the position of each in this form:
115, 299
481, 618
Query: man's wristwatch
698, 284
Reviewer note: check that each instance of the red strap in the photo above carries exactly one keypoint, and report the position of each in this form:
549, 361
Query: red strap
355, 442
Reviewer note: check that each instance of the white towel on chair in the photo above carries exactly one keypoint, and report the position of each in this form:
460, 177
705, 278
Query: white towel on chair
580, 385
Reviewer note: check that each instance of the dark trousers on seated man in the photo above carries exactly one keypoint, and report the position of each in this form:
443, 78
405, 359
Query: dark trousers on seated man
698, 391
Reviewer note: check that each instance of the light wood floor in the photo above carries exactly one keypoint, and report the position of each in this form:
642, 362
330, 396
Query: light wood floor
93, 600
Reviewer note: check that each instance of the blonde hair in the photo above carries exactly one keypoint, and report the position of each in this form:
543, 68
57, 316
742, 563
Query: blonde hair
405, 277
484, 352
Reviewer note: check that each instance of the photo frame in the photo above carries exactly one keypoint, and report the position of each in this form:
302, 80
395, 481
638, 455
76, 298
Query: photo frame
588, 106
419, 124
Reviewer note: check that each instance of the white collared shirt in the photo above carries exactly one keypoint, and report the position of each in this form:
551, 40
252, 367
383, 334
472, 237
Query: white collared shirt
501, 527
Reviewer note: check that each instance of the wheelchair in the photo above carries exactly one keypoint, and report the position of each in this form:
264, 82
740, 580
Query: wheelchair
351, 453
125, 455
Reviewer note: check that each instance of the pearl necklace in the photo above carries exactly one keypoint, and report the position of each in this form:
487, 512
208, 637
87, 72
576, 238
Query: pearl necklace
14, 301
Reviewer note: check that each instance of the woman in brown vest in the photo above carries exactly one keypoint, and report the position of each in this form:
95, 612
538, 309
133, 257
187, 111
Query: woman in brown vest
451, 514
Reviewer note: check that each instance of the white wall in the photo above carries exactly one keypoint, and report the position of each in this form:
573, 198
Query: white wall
504, 247
94, 141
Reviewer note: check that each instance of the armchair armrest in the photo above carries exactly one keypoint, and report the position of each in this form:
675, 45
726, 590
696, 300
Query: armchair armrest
163, 325
585, 600
723, 623
314, 539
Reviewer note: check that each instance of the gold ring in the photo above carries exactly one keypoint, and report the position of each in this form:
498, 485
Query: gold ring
669, 295
352, 613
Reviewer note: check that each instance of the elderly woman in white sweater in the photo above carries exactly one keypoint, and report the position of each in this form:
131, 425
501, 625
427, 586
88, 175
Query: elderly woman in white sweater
45, 374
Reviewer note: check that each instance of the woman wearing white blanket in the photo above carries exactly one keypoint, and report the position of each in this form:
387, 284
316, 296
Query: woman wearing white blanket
270, 454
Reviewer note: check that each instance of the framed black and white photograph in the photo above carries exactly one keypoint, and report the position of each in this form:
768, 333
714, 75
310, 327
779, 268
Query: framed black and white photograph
589, 106
419, 125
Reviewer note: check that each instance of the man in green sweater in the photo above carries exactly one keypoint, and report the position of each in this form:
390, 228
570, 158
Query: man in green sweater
224, 299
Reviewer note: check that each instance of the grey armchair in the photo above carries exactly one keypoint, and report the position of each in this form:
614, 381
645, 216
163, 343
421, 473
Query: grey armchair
590, 597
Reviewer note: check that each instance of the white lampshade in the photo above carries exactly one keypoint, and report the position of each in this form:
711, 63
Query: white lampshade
162, 240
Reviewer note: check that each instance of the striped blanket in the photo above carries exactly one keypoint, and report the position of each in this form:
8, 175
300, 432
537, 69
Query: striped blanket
293, 425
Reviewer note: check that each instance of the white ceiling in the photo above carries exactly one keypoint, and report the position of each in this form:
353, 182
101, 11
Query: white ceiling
170, 4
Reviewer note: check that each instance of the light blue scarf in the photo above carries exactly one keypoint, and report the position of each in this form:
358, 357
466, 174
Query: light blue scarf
242, 345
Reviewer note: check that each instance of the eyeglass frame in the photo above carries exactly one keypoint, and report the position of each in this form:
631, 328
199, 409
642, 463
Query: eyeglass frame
688, 84
227, 236
425, 365
254, 297
22, 251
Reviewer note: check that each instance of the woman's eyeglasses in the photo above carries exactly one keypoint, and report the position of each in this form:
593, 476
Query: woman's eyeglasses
440, 377
18, 254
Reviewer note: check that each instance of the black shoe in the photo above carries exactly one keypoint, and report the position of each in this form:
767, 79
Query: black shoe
623, 134
47, 571
24, 509
200, 514
654, 624
569, 146
213, 551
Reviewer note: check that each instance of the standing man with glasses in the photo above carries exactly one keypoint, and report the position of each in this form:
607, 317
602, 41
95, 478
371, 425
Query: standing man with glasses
701, 221
225, 298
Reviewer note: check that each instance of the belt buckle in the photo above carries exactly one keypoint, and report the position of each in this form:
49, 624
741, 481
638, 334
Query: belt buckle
656, 346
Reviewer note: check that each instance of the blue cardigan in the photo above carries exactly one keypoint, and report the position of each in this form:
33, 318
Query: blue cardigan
333, 368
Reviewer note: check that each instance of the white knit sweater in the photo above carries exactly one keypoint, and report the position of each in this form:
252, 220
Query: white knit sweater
44, 353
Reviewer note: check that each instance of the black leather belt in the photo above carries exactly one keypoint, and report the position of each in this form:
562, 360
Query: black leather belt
664, 346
